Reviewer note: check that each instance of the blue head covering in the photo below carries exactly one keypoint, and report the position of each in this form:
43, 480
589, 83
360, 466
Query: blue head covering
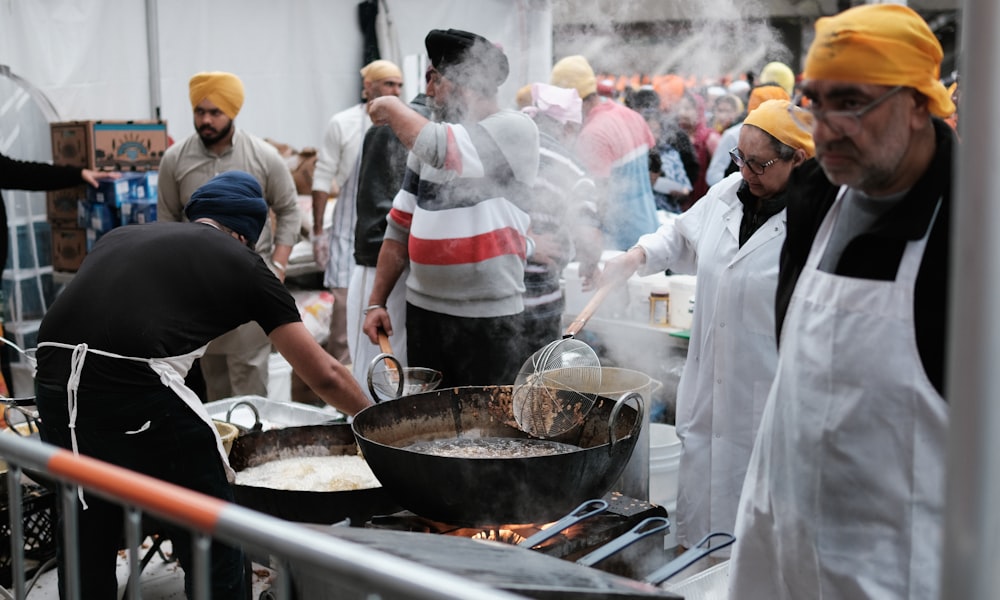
233, 199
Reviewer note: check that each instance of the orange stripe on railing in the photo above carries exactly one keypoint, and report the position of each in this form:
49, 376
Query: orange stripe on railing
193, 508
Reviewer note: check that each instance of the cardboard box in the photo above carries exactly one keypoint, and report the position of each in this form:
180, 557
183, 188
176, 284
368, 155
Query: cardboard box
109, 145
137, 212
143, 186
69, 247
98, 216
110, 191
60, 205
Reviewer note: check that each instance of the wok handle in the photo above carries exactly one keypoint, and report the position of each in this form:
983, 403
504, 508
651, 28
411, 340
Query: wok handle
257, 425
584, 511
616, 410
386, 348
588, 311
645, 528
389, 359
689, 557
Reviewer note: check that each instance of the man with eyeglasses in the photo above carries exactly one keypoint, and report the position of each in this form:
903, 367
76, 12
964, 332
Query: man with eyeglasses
844, 494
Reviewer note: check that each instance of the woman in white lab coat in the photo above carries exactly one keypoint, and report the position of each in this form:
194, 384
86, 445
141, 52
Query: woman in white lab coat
731, 239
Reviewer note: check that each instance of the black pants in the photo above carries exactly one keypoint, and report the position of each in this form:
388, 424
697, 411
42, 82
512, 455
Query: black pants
169, 442
467, 351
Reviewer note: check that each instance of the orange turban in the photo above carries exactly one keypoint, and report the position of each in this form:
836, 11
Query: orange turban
224, 90
764, 93
776, 118
880, 44
377, 70
576, 73
670, 88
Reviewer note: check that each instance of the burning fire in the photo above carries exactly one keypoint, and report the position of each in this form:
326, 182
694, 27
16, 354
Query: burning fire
506, 536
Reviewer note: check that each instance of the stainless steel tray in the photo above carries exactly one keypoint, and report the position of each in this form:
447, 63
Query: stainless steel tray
270, 414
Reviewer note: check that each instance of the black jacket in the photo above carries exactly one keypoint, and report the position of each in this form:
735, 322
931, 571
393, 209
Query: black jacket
877, 253
34, 176
383, 164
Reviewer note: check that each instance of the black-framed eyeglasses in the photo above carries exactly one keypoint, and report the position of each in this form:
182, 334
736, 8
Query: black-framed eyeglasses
754, 166
844, 122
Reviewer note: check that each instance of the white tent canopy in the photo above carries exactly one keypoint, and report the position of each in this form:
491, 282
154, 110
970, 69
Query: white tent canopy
299, 60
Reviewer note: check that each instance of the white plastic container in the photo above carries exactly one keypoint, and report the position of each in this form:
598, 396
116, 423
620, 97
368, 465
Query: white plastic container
664, 463
681, 300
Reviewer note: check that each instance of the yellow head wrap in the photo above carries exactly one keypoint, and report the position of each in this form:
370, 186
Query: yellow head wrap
775, 117
377, 70
224, 90
523, 97
574, 72
880, 44
780, 73
763, 93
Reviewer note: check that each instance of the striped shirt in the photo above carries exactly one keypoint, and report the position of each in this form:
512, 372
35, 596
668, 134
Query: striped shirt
463, 213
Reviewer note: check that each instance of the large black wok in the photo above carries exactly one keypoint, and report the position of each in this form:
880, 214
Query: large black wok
491, 490
259, 447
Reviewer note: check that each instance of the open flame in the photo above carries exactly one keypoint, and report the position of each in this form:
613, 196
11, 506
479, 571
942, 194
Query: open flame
506, 536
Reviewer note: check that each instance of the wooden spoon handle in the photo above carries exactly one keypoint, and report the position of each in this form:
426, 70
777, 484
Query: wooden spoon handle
588, 311
383, 342
386, 348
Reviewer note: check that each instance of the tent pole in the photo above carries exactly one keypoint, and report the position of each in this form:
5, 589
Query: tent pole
971, 546
153, 52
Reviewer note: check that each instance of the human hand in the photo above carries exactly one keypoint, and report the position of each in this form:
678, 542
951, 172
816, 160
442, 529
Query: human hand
620, 268
376, 318
549, 250
91, 176
321, 248
379, 109
590, 275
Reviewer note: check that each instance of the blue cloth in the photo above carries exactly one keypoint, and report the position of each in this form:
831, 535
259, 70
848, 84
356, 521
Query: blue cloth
634, 213
233, 199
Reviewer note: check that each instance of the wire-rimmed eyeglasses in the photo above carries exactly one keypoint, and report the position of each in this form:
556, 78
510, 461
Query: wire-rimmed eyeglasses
842, 122
754, 166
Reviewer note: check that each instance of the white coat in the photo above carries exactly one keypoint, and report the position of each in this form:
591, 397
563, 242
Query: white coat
844, 496
732, 353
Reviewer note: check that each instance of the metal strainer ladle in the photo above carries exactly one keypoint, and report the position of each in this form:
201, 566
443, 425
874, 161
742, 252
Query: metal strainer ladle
557, 386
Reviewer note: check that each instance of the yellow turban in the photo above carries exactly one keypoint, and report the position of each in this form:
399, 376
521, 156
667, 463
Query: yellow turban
780, 73
377, 70
880, 44
523, 97
574, 72
763, 93
775, 117
224, 90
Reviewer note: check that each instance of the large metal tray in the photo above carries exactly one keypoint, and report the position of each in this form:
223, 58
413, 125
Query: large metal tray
272, 414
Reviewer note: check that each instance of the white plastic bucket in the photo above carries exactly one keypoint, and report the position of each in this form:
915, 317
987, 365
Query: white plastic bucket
664, 462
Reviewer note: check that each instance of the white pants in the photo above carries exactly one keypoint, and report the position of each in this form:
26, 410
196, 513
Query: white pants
362, 349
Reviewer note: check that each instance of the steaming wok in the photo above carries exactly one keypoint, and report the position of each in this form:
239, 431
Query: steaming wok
492, 490
258, 447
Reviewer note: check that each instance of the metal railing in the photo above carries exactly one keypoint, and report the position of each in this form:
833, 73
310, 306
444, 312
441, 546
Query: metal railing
376, 574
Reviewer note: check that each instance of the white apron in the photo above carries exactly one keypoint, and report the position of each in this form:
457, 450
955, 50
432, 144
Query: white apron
171, 370
845, 491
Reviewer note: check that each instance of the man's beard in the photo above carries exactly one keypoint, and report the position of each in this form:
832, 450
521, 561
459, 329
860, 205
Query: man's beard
449, 112
210, 140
